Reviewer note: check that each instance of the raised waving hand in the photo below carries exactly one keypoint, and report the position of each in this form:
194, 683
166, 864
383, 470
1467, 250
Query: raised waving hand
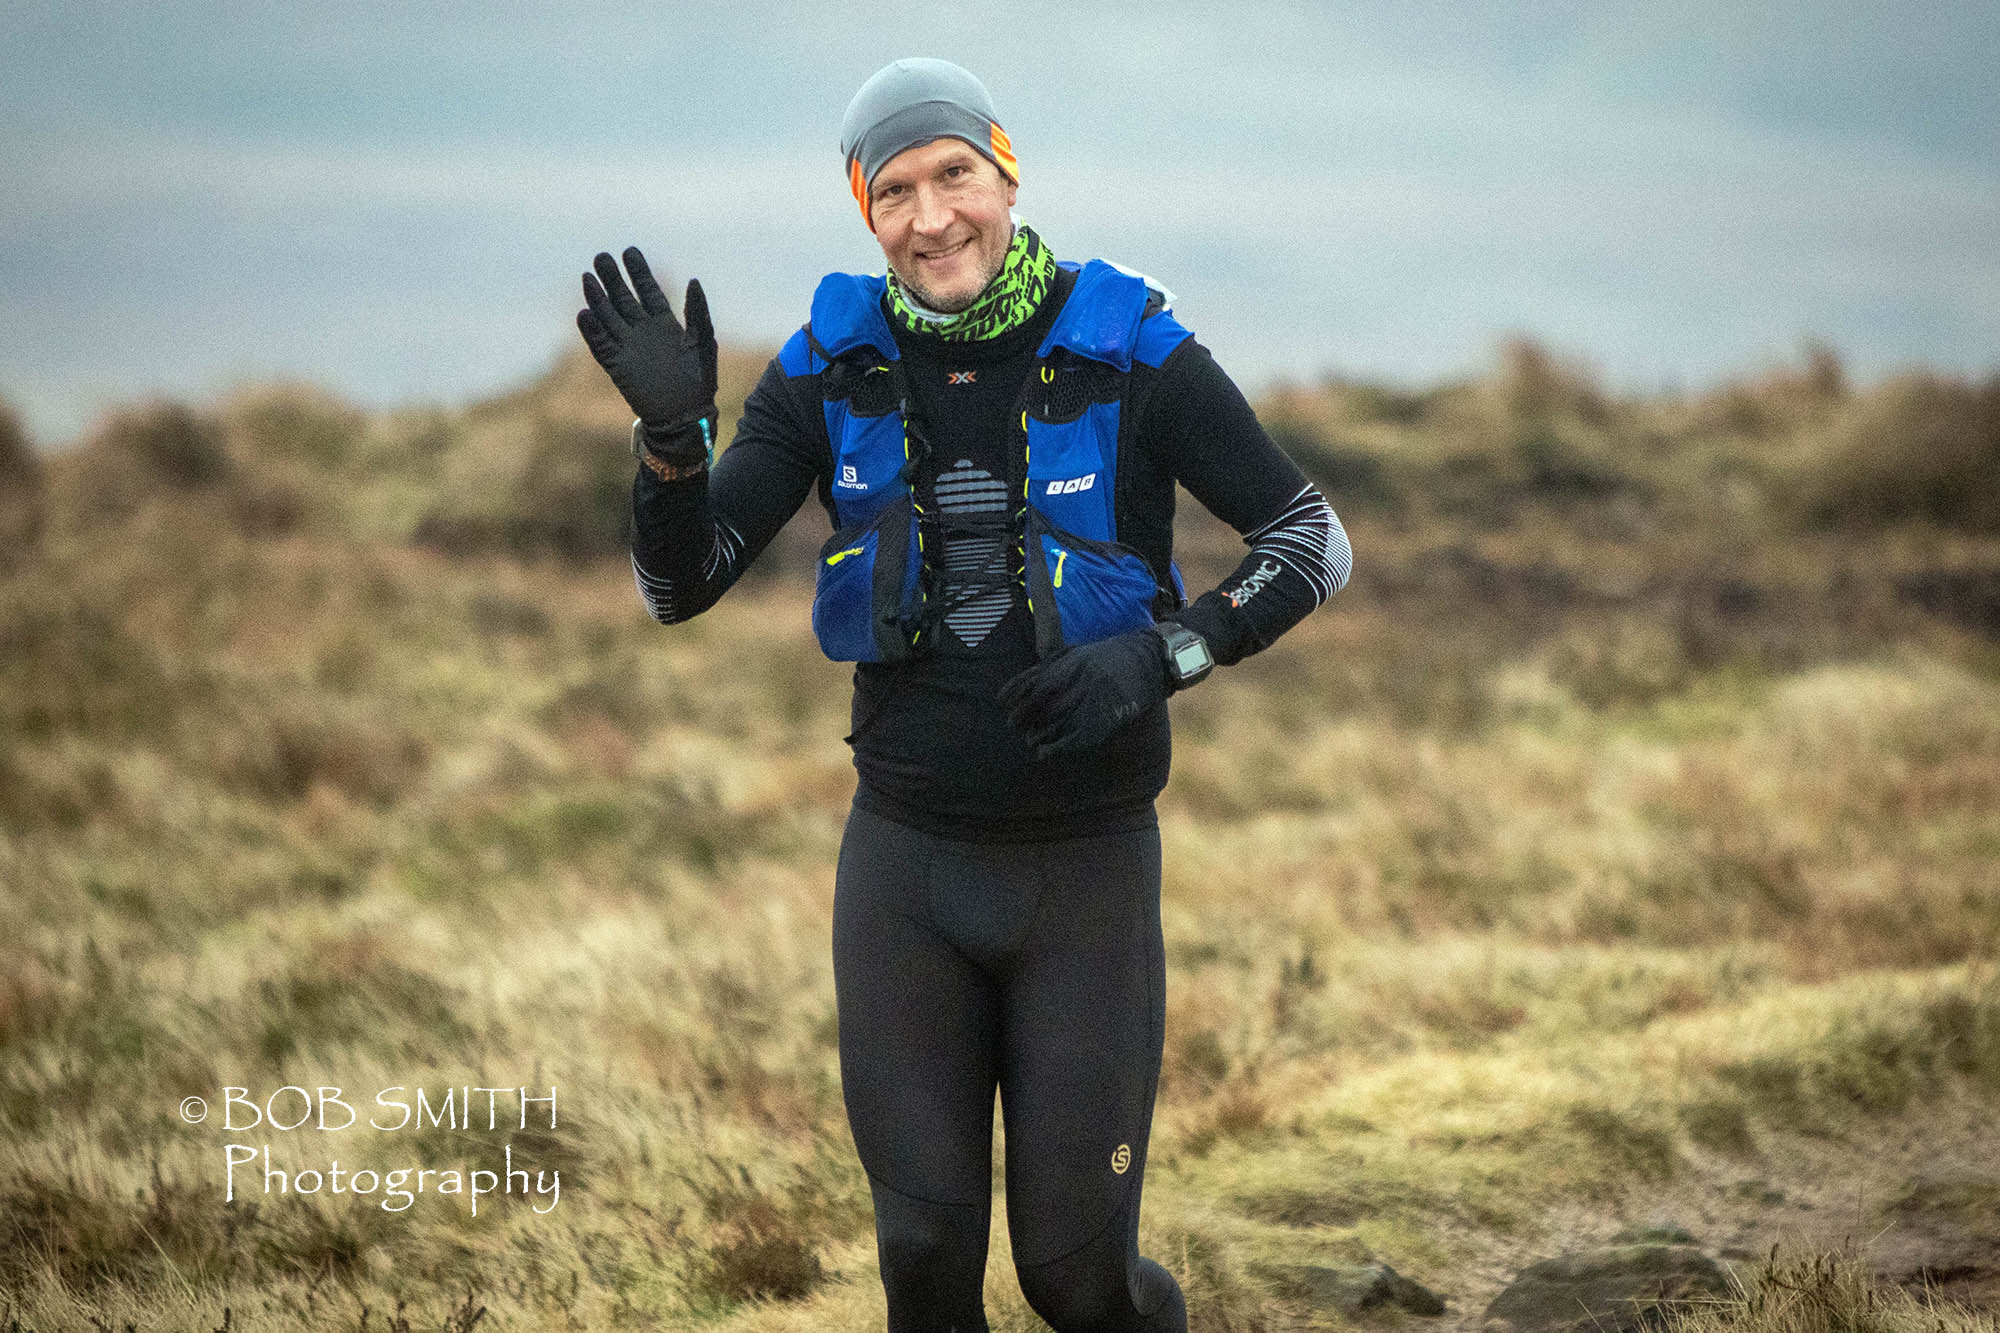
665, 371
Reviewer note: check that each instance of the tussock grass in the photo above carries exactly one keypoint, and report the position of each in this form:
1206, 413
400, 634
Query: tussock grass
1825, 1292
1611, 826
1921, 447
21, 490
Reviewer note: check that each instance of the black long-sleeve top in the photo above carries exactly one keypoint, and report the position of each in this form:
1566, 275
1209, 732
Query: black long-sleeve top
931, 743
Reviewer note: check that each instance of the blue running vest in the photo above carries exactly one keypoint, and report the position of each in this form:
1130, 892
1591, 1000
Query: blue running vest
873, 594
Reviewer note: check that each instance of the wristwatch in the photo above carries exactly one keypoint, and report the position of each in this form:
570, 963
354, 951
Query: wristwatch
668, 468
1188, 658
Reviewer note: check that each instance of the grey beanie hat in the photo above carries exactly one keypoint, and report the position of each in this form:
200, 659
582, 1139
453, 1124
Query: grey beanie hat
913, 101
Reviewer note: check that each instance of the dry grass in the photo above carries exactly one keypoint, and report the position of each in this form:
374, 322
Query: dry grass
1612, 824
1826, 1293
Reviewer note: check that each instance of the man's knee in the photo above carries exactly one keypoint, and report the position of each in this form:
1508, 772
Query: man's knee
1099, 1288
933, 1258
921, 1249
1085, 1289
1070, 1296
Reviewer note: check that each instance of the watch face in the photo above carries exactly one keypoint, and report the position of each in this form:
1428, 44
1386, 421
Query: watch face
1191, 657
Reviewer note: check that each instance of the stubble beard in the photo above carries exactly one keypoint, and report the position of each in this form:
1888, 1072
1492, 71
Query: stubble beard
930, 301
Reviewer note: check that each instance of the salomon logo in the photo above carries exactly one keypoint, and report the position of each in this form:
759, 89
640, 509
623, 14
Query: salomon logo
849, 479
1073, 485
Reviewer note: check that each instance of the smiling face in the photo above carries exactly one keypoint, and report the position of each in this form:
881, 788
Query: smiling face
940, 212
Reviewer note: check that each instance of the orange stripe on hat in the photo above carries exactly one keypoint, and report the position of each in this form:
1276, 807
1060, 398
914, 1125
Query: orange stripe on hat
1003, 152
860, 188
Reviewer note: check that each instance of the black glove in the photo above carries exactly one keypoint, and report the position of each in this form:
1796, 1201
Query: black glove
1074, 700
666, 373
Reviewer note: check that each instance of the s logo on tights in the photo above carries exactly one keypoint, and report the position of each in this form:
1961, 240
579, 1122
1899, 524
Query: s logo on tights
1121, 1158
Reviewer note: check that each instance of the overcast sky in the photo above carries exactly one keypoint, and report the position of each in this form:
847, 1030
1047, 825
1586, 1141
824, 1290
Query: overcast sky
399, 205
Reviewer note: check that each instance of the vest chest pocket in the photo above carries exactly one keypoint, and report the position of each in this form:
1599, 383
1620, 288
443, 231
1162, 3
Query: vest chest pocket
1072, 470
868, 457
1083, 590
868, 596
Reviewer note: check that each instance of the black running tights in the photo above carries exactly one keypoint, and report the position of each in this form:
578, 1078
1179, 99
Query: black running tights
1036, 967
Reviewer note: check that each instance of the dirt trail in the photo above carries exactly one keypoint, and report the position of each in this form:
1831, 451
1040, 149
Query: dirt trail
1915, 1197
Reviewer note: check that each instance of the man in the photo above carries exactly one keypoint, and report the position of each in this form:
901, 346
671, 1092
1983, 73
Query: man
996, 436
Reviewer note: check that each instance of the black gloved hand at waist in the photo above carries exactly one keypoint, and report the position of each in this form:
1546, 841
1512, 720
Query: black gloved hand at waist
1075, 700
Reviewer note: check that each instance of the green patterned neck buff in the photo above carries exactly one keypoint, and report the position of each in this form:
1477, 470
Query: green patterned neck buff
1008, 301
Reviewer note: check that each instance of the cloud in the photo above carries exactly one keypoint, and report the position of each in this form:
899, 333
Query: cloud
1378, 191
